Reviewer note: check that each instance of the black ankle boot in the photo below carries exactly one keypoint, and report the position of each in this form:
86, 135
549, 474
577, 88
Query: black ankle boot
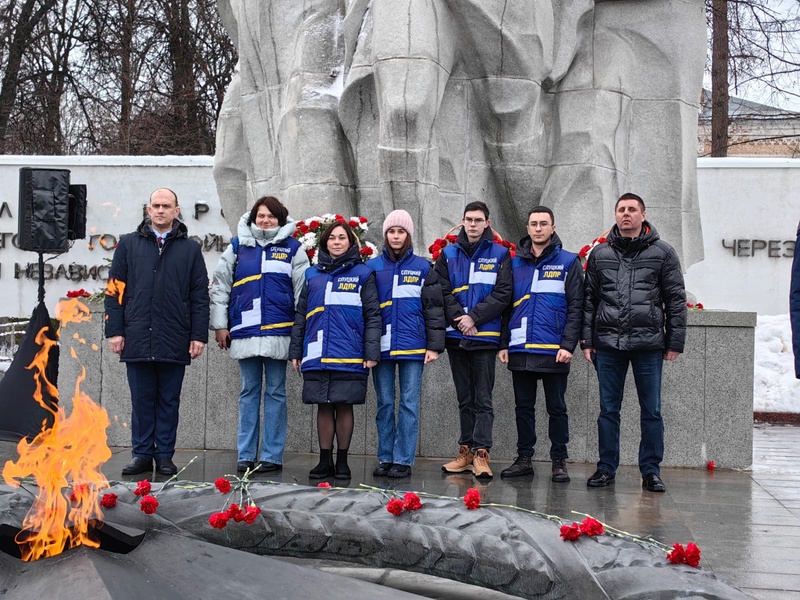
342, 470
325, 466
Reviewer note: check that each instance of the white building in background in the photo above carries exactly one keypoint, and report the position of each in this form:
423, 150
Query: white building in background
750, 209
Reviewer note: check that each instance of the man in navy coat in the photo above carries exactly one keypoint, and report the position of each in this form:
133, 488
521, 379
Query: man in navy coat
157, 313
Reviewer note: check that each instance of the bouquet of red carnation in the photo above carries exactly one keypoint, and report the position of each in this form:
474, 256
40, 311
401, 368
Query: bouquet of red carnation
310, 230
587, 249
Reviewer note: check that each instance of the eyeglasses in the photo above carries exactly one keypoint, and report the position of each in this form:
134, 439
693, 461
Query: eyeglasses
469, 221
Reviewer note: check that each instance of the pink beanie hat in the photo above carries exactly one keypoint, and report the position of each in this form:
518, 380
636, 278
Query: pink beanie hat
398, 218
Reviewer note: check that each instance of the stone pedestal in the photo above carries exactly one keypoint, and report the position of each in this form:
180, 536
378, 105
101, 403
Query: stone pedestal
707, 400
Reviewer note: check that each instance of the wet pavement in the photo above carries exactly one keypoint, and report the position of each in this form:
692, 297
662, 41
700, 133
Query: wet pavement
746, 522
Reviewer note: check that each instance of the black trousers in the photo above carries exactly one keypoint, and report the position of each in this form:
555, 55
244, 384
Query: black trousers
525, 386
473, 376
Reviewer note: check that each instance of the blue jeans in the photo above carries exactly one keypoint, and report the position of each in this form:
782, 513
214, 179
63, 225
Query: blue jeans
612, 366
397, 443
273, 436
155, 402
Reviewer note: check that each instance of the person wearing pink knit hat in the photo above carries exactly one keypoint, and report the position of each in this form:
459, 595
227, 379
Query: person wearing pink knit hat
412, 315
399, 218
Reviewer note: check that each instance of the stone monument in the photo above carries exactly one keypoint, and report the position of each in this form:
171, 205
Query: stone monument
364, 106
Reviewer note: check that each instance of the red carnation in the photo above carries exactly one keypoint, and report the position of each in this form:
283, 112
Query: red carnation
411, 501
353, 223
324, 484
365, 251
570, 533
218, 520
79, 491
363, 219
311, 252
148, 504
677, 555
710, 466
435, 254
108, 500
699, 305
340, 219
300, 223
472, 499
303, 229
692, 555
591, 527
395, 507
142, 489
584, 251
236, 513
451, 238
313, 224
251, 514
223, 485
689, 305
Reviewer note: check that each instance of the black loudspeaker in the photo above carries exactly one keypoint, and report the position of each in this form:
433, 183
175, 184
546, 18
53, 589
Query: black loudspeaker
77, 212
44, 210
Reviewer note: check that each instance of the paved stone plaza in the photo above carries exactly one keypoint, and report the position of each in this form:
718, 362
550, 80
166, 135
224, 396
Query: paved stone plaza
746, 522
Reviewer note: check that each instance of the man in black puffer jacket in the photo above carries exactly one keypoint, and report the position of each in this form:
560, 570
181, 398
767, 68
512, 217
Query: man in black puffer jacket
157, 321
634, 313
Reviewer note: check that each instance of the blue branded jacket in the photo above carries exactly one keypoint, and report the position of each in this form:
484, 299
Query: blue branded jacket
478, 285
262, 295
337, 324
412, 315
540, 320
794, 304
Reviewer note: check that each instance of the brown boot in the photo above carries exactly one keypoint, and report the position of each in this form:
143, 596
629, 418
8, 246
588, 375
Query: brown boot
480, 465
462, 463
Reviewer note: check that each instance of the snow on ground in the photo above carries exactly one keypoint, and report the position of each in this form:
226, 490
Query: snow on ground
775, 388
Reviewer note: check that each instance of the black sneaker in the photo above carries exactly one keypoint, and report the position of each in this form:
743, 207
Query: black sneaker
601, 478
264, 466
244, 465
520, 467
399, 471
382, 470
560, 474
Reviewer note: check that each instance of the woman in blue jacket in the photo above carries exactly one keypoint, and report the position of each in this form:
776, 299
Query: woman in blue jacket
335, 341
412, 315
256, 285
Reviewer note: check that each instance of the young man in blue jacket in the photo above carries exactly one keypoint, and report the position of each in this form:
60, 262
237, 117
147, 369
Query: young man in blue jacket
475, 278
157, 314
540, 332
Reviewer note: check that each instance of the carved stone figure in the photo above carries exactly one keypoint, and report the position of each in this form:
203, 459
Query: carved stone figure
370, 105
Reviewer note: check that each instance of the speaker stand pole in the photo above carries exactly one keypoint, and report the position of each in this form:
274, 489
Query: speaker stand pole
41, 277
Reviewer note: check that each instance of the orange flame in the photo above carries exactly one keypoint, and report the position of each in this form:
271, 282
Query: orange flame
115, 287
67, 455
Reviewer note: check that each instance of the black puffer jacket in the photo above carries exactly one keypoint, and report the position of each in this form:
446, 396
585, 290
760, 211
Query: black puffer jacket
635, 298
165, 302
